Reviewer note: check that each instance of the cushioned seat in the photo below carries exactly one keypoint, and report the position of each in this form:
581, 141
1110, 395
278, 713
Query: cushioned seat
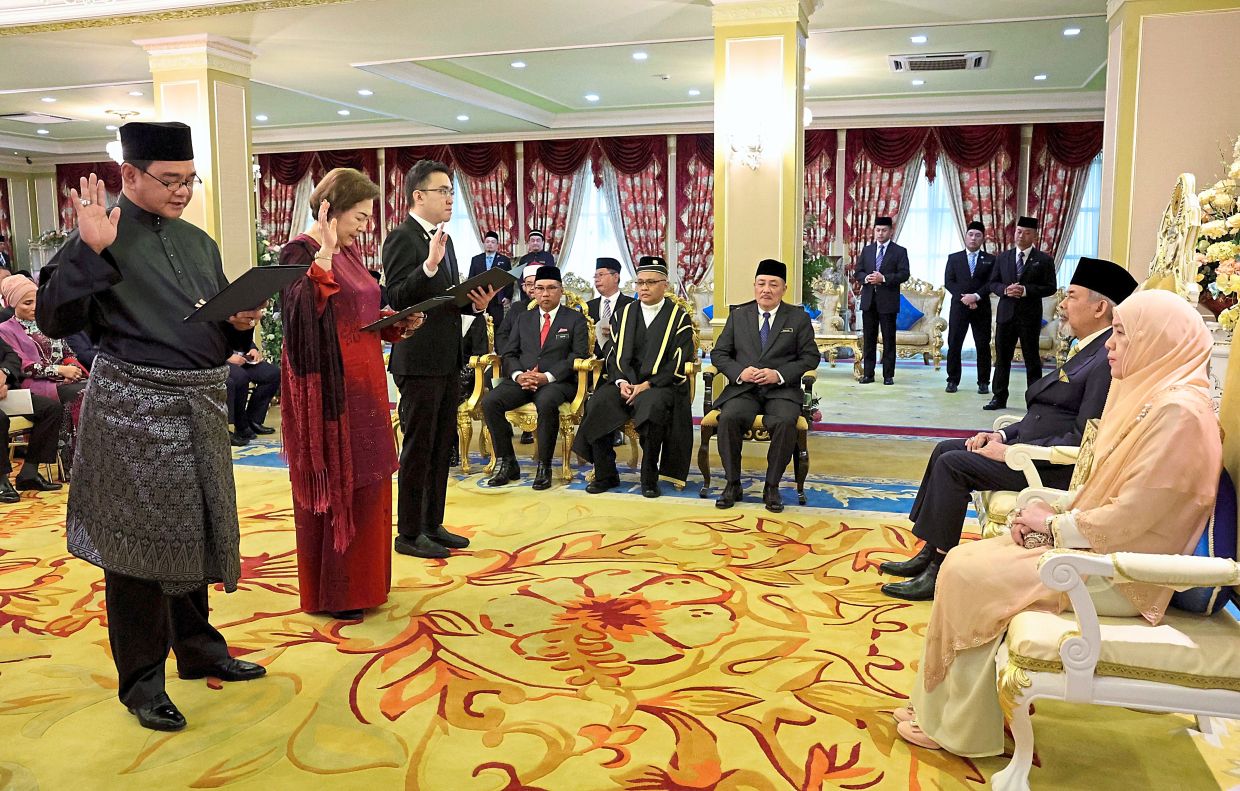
925, 337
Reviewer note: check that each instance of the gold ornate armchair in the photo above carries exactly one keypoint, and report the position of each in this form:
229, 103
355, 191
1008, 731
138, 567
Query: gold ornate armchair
525, 417
925, 338
471, 408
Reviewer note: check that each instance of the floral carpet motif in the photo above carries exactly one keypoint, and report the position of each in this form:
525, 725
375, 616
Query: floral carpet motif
582, 643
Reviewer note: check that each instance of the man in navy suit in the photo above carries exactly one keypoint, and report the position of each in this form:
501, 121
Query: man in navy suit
883, 266
491, 258
1022, 276
966, 278
1060, 404
537, 365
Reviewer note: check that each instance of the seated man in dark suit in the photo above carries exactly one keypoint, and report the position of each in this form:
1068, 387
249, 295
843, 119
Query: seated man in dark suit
764, 350
609, 302
490, 258
247, 410
1059, 405
881, 268
646, 382
525, 294
537, 366
46, 414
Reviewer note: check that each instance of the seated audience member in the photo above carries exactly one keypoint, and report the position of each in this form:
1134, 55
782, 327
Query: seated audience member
764, 350
646, 383
1059, 404
537, 366
1152, 487
518, 306
49, 366
45, 414
248, 410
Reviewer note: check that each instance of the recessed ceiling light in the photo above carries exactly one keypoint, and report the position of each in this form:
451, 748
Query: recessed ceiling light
260, 118
342, 112
43, 131
518, 64
111, 127
591, 97
1072, 31
919, 82
49, 99
462, 118
640, 56
1039, 77
694, 92
807, 87
917, 39
365, 92
135, 93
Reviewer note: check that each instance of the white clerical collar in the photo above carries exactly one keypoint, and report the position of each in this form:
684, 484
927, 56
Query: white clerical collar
650, 311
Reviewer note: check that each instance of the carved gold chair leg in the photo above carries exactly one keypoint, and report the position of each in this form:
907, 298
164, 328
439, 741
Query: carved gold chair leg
831, 354
630, 433
567, 432
465, 432
703, 460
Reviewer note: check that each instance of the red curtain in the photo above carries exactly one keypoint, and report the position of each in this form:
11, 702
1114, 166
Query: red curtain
69, 176
1059, 162
641, 181
5, 228
489, 172
695, 201
397, 162
820, 147
986, 160
550, 168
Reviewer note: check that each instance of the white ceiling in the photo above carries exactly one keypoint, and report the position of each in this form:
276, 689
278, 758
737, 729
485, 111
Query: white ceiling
428, 63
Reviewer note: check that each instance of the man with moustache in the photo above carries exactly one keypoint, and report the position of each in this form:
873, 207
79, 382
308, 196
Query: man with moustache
537, 254
966, 278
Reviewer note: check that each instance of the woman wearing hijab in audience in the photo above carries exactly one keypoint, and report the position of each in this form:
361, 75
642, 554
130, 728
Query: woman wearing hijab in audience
49, 365
334, 407
1152, 487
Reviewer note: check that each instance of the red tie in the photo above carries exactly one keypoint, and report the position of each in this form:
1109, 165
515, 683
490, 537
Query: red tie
546, 327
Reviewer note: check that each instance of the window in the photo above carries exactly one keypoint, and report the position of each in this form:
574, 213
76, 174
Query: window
595, 233
461, 230
930, 234
1084, 241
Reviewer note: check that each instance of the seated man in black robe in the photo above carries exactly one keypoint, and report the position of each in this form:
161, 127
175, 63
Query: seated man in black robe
646, 383
537, 366
1059, 405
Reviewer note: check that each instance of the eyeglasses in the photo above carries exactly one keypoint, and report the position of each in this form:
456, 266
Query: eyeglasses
173, 186
545, 289
447, 192
648, 283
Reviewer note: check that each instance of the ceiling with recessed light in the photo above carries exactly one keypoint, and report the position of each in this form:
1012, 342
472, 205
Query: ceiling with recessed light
356, 72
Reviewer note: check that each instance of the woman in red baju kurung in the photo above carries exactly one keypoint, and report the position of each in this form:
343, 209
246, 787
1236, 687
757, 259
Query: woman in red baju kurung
334, 411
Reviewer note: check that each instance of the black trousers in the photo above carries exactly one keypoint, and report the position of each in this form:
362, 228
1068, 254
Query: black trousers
46, 415
779, 417
872, 322
951, 476
510, 395
266, 380
1007, 333
427, 413
143, 623
651, 436
962, 321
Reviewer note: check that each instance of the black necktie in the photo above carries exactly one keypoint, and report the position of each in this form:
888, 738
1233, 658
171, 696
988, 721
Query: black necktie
765, 332
1020, 264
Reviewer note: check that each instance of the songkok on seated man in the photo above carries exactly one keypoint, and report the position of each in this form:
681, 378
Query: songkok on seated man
772, 268
156, 141
1105, 277
652, 263
548, 273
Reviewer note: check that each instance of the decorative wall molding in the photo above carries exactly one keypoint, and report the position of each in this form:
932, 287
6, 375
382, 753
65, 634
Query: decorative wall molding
748, 12
62, 16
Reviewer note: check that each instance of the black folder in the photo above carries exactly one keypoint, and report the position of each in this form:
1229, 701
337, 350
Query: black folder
421, 307
247, 292
494, 277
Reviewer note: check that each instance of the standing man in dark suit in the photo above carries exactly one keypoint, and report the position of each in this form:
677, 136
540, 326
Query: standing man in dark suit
1060, 404
490, 258
966, 278
607, 304
6, 258
537, 255
764, 350
419, 263
882, 268
538, 366
1022, 277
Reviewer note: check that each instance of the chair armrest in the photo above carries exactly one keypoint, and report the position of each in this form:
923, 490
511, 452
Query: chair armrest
691, 369
1003, 421
940, 324
709, 372
480, 363
1021, 458
583, 368
836, 324
1056, 498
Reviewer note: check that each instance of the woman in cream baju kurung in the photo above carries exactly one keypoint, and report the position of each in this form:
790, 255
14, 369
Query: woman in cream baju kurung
1157, 460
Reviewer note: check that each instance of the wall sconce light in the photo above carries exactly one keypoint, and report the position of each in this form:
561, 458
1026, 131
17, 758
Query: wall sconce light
748, 151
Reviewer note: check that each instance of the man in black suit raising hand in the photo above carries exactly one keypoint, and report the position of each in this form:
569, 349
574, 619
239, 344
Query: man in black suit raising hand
966, 278
882, 267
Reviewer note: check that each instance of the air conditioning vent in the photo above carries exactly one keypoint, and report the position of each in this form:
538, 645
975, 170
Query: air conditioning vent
39, 119
940, 61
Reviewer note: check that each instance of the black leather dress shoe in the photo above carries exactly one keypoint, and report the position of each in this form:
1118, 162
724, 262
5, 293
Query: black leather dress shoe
7, 493
159, 715
887, 380
237, 440
996, 403
651, 490
951, 387
420, 547
866, 380
919, 588
226, 670
600, 485
440, 535
347, 615
772, 500
618, 440
911, 567
454, 459
261, 430
730, 496
527, 438
36, 483
542, 477
506, 471
983, 389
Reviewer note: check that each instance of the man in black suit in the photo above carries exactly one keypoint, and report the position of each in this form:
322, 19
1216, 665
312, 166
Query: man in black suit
966, 278
490, 258
537, 365
419, 263
46, 415
525, 293
1022, 277
646, 383
537, 255
6, 258
883, 266
248, 411
1059, 405
764, 350
607, 304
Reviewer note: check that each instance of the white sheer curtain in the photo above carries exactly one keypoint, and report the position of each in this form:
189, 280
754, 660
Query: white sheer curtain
1086, 216
592, 231
611, 195
931, 229
463, 229
303, 218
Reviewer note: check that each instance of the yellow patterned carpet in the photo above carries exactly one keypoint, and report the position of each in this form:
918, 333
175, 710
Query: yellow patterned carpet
588, 643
